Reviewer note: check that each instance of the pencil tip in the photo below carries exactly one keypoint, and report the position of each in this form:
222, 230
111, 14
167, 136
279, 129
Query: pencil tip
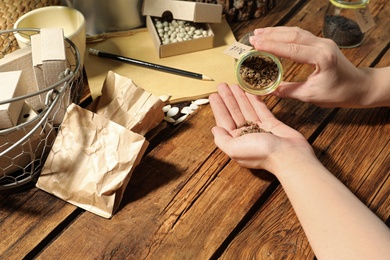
93, 51
204, 77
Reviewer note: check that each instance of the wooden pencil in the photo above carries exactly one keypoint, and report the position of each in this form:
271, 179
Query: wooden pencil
149, 65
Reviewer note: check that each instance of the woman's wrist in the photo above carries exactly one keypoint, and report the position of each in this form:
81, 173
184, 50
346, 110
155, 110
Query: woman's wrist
283, 164
372, 87
377, 86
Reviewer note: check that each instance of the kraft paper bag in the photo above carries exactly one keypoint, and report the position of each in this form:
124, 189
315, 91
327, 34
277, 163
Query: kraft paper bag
91, 161
128, 105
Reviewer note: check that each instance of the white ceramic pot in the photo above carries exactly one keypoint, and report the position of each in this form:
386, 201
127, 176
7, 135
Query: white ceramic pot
69, 19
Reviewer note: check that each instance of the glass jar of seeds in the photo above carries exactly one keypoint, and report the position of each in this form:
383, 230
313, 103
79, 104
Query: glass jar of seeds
343, 20
258, 72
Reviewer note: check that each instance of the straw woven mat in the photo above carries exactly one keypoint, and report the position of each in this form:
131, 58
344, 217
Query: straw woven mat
10, 11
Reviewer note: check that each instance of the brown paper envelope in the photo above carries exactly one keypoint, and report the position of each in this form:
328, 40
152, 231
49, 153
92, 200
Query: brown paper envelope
128, 105
91, 161
139, 45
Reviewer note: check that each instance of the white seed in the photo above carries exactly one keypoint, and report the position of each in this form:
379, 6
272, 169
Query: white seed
169, 119
173, 111
180, 119
166, 108
186, 110
201, 101
194, 106
184, 30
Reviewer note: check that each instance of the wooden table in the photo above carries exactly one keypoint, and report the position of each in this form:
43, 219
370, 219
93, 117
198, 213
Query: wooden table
187, 200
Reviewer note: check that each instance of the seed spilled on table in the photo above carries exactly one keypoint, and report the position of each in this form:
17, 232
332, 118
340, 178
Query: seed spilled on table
259, 71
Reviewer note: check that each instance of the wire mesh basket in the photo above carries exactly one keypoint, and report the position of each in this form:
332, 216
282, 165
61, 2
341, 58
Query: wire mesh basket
25, 146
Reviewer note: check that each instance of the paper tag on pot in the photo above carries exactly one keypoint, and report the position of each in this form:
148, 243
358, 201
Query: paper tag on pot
237, 49
364, 19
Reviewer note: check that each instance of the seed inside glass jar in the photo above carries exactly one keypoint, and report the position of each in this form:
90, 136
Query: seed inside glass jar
259, 72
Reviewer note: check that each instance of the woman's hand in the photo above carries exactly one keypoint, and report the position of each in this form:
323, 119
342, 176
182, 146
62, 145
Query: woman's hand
331, 215
232, 107
335, 82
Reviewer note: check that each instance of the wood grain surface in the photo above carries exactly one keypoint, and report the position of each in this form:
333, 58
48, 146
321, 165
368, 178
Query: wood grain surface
188, 200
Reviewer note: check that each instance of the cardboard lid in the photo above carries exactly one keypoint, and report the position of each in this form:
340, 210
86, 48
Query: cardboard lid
183, 10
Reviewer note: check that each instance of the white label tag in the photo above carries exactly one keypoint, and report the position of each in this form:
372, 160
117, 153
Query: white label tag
364, 19
237, 49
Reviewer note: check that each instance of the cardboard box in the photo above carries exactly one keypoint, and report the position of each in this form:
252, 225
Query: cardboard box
10, 88
21, 59
199, 13
37, 145
49, 62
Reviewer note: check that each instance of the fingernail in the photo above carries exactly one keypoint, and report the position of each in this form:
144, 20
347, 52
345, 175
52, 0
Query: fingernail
252, 40
259, 30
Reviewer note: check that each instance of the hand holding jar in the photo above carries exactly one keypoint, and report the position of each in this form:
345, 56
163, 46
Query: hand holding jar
335, 81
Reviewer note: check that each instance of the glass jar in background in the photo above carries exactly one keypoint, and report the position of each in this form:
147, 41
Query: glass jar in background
258, 72
341, 22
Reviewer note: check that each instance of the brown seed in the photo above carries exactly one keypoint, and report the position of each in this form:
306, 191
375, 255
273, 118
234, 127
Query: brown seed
259, 71
251, 127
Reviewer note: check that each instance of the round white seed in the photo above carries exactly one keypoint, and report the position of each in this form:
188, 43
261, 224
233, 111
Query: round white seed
180, 119
172, 111
186, 110
194, 106
169, 119
166, 108
201, 101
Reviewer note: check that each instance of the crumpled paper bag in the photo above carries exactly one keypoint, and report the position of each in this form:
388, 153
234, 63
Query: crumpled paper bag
93, 157
91, 161
128, 105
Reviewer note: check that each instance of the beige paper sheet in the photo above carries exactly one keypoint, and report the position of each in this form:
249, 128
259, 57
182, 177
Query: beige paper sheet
212, 62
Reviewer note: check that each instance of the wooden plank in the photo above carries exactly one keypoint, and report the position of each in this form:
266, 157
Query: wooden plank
26, 218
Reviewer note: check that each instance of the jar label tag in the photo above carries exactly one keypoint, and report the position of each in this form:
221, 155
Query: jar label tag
364, 19
237, 49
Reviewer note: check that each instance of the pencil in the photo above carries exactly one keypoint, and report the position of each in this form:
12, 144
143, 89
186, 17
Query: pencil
149, 65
